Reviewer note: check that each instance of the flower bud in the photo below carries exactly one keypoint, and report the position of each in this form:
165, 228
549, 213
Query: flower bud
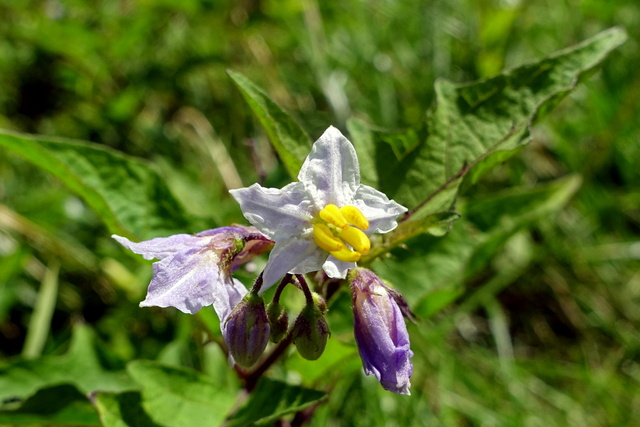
380, 331
246, 330
278, 320
311, 332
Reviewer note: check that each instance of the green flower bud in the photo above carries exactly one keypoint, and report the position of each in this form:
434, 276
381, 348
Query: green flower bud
311, 332
278, 320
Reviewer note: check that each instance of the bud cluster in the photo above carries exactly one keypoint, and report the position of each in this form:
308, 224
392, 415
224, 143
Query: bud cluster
249, 327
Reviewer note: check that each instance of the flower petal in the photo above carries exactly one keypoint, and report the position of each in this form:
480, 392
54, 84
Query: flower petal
187, 281
331, 173
277, 213
380, 332
337, 269
162, 247
227, 297
295, 255
378, 209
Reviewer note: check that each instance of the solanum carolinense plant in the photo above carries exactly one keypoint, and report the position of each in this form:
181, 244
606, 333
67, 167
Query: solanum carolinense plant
319, 226
356, 197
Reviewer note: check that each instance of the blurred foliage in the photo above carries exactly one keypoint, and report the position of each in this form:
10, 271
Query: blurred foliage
545, 329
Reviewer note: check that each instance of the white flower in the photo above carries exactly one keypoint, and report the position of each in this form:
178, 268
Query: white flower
322, 221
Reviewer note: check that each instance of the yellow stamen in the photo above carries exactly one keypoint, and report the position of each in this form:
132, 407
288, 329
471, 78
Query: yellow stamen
357, 239
347, 255
325, 239
331, 214
354, 217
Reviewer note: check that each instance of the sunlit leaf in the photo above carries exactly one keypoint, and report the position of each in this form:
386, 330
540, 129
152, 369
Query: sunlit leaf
122, 410
272, 400
290, 141
431, 271
80, 367
177, 397
127, 194
60, 405
472, 127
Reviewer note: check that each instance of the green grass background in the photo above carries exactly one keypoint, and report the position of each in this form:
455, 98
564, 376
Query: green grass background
553, 337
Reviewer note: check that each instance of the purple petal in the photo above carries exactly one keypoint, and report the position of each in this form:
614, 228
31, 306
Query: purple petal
161, 247
331, 173
277, 213
380, 332
227, 297
187, 281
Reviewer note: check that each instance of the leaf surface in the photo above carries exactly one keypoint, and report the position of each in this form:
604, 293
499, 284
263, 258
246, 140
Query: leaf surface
179, 397
290, 141
273, 399
472, 127
127, 194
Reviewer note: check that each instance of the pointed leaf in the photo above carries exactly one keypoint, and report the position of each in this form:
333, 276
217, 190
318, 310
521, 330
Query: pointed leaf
431, 273
290, 141
126, 193
437, 224
274, 399
80, 366
123, 410
472, 127
58, 405
176, 397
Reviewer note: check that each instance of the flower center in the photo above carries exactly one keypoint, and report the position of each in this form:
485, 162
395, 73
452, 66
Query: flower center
339, 232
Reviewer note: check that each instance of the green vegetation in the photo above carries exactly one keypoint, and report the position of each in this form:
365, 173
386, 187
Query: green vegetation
527, 290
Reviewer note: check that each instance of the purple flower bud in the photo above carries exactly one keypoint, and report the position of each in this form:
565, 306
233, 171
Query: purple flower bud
311, 332
246, 330
380, 331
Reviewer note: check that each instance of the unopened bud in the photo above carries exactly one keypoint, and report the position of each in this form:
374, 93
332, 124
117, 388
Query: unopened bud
278, 319
311, 332
380, 331
246, 330
319, 302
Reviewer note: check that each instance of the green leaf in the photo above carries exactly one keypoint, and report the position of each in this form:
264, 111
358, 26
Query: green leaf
126, 193
437, 224
123, 410
472, 127
59, 405
290, 141
80, 366
179, 397
272, 400
432, 272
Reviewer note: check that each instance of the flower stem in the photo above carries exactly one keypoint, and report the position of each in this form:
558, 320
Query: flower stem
283, 283
305, 288
257, 285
